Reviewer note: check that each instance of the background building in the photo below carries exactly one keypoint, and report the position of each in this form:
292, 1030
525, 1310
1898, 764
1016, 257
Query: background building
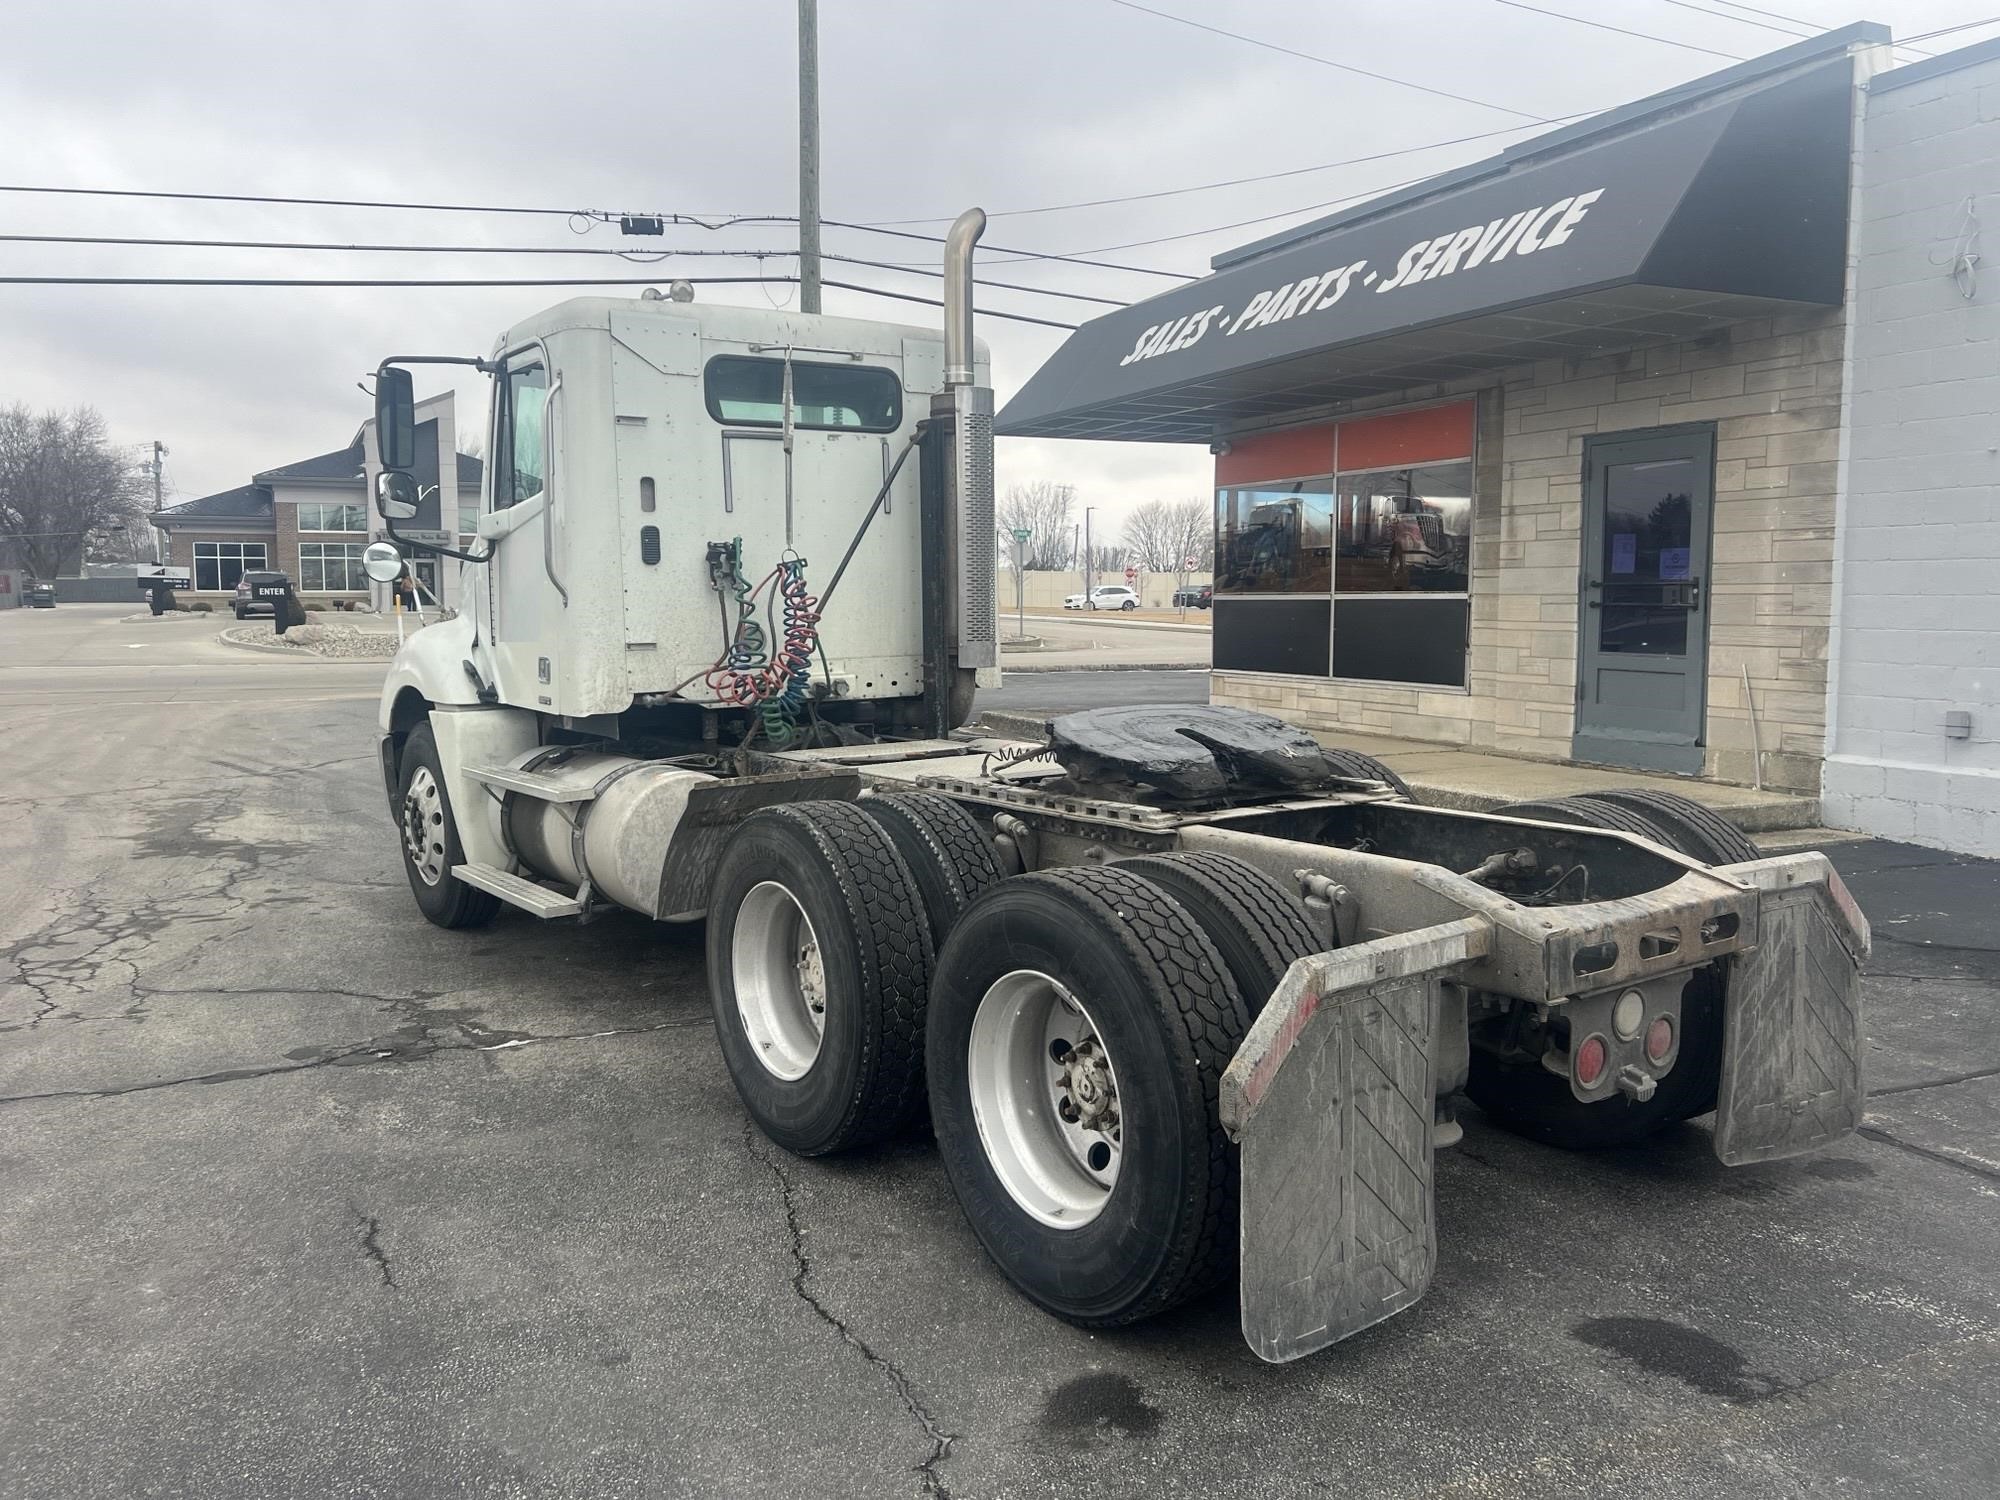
312, 518
1559, 454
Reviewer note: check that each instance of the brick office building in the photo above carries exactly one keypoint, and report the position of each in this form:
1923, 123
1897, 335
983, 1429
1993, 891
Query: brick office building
1549, 455
311, 519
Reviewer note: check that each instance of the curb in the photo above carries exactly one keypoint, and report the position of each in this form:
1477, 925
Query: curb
1001, 721
299, 653
1109, 617
1106, 666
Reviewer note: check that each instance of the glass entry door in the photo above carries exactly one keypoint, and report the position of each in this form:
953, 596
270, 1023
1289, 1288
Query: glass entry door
1643, 611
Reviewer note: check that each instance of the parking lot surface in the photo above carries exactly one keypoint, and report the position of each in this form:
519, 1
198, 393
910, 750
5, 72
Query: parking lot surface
306, 1197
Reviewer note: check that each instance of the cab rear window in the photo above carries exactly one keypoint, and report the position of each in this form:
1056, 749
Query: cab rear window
748, 392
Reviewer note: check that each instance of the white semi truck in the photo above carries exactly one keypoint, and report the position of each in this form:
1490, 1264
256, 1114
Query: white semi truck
1182, 993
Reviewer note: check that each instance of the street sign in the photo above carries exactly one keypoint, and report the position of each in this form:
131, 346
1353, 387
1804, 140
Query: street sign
1022, 533
1130, 574
1188, 563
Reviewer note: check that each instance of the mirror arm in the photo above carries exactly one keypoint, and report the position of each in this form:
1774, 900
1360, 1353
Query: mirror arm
435, 548
484, 367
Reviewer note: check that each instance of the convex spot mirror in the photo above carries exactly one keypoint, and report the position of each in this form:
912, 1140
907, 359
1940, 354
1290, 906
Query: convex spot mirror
381, 562
396, 495
395, 418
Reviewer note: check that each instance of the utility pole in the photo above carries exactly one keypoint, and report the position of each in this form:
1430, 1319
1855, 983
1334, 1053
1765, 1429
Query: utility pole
157, 467
1089, 561
809, 156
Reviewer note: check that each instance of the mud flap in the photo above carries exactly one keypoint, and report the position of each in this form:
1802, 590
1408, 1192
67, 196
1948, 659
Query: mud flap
1331, 1099
714, 810
1791, 1042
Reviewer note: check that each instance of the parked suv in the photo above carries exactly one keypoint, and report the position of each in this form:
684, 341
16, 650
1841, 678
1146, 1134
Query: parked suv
1105, 596
1192, 597
259, 593
41, 595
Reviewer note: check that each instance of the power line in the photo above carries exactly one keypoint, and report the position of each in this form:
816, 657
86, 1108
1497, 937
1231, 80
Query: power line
876, 291
285, 281
632, 255
932, 271
1206, 187
1644, 36
1238, 36
1812, 28
1723, 15
1925, 36
1077, 260
595, 216
635, 256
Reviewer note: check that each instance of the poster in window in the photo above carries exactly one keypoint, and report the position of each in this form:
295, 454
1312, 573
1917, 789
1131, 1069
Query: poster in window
1624, 551
1674, 563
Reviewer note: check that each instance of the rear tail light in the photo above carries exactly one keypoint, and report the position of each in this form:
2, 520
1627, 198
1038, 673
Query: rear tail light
1590, 1060
1659, 1039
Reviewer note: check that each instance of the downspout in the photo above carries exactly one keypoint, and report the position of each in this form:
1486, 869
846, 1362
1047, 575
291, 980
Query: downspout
1867, 62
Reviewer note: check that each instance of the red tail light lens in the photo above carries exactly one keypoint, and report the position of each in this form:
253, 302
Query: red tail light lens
1590, 1059
1659, 1038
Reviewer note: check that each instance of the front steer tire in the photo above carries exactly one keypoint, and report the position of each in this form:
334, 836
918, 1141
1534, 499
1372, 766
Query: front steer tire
427, 828
861, 1078
1157, 994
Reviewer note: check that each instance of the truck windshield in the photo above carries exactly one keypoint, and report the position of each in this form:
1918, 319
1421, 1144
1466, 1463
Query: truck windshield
746, 392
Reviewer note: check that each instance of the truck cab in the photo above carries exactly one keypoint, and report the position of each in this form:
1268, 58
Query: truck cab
629, 438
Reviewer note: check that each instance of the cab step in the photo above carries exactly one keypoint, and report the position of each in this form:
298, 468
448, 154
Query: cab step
540, 785
515, 891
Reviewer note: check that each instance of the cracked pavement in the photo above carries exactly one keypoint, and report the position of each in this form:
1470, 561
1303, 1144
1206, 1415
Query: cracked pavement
307, 1197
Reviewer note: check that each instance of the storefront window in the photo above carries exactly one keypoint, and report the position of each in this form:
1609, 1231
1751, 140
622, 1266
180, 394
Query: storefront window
1274, 538
1404, 531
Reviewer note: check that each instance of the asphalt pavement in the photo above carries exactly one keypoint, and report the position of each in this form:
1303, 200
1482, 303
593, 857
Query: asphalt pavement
306, 1197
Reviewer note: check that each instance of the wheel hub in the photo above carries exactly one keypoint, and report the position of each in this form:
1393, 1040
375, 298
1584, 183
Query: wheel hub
779, 976
1086, 1093
423, 826
812, 978
1045, 1099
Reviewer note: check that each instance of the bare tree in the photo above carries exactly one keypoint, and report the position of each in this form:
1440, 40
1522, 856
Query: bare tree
1162, 535
61, 481
1045, 508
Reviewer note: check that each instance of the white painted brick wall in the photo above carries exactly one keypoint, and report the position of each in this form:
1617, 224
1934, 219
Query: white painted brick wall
1917, 610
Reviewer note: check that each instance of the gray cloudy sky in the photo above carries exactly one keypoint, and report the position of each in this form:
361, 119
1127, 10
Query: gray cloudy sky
687, 105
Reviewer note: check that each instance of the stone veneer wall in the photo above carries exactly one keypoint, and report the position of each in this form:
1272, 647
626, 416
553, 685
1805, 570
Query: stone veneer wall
1772, 389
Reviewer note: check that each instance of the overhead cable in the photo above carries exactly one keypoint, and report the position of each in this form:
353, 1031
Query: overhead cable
1422, 88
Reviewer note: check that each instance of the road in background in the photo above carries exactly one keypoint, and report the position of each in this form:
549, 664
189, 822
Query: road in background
307, 1197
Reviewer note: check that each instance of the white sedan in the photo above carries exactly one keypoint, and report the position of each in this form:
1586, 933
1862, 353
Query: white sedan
1107, 596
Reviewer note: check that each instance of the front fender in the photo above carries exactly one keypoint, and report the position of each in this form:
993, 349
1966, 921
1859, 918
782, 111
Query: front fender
431, 664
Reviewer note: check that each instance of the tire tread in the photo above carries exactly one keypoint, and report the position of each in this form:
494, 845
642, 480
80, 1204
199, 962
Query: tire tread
1158, 933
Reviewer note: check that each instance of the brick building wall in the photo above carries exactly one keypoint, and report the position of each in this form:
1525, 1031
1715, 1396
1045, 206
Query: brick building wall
1772, 389
1918, 613
180, 551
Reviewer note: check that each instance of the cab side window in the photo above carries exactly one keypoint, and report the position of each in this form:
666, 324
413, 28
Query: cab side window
518, 439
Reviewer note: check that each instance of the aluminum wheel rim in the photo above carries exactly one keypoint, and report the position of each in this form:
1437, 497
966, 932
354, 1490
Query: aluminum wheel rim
780, 980
1045, 1099
423, 826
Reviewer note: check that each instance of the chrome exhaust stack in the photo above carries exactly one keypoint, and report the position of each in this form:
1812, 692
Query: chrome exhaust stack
978, 642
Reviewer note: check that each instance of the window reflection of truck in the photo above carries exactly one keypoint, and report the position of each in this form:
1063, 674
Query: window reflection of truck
1268, 550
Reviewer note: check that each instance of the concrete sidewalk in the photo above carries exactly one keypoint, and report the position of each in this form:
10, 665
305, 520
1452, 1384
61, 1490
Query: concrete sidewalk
1474, 781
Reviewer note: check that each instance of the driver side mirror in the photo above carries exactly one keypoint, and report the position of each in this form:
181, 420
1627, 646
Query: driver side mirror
395, 419
396, 494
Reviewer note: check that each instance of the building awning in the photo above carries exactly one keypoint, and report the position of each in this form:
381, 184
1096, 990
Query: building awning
1602, 237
